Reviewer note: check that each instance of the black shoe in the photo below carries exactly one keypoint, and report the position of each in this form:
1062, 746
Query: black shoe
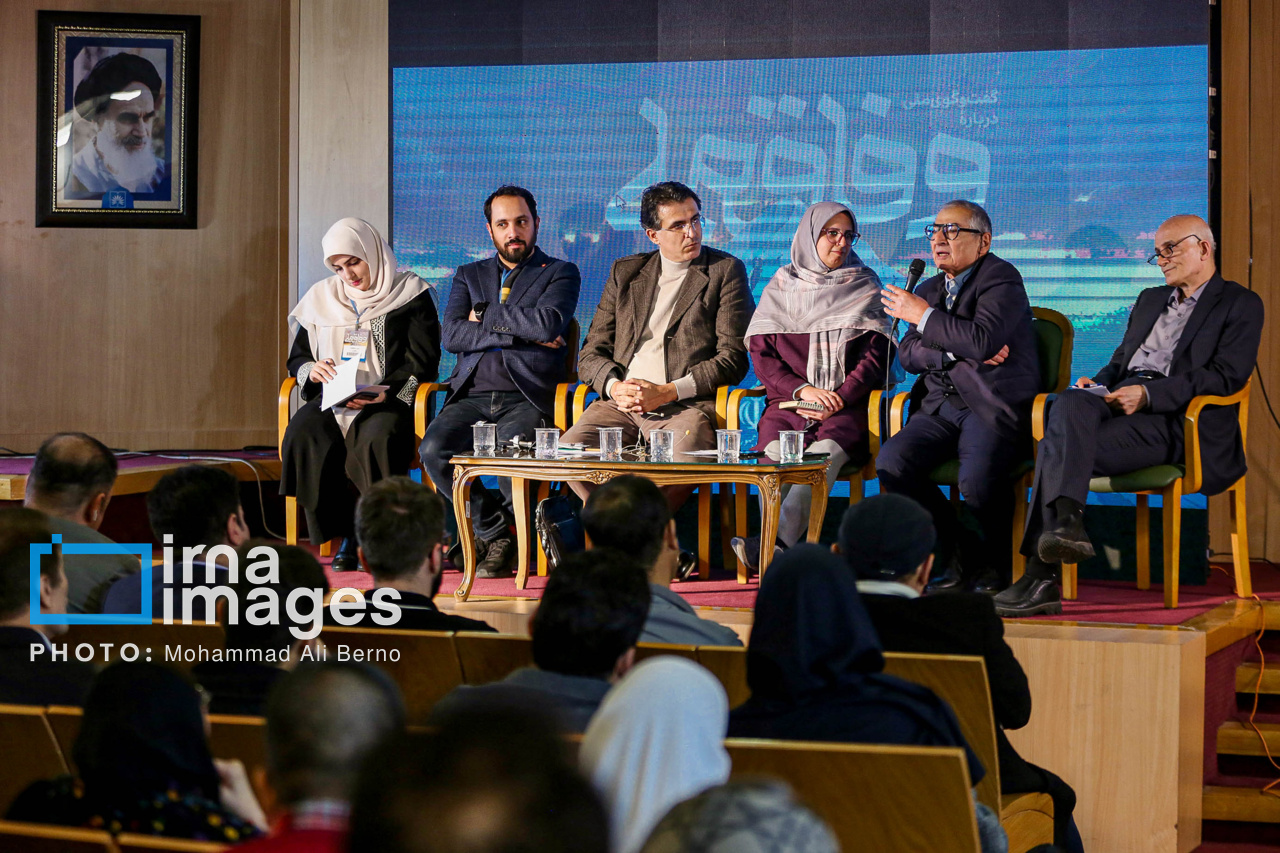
453, 556
1065, 541
346, 560
952, 580
1029, 596
987, 583
688, 565
499, 557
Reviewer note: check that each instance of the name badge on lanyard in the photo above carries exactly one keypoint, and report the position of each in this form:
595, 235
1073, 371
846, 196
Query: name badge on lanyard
355, 345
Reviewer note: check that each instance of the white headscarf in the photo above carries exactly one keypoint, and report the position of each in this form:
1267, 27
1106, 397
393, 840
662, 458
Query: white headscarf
326, 310
656, 740
832, 306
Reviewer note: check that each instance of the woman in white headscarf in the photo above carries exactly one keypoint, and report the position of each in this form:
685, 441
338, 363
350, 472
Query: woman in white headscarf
819, 335
365, 311
657, 740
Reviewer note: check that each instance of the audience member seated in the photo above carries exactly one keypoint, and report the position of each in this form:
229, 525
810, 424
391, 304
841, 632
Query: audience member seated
400, 525
752, 816
631, 515
71, 482
584, 639
887, 540
658, 739
314, 751
256, 656
491, 780
199, 507
145, 766
814, 668
28, 673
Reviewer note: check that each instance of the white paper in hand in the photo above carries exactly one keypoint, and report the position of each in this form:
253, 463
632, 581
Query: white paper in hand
341, 387
1096, 390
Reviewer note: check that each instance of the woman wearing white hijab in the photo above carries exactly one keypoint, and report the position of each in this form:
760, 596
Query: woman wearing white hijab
388, 321
657, 740
819, 335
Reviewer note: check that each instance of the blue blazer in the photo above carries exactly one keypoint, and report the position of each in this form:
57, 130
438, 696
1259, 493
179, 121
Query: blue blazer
539, 308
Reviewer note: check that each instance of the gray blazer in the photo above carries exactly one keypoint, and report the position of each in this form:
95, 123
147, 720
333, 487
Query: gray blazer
705, 337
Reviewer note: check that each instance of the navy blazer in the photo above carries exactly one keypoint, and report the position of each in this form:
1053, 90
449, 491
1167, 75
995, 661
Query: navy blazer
539, 308
1215, 355
991, 311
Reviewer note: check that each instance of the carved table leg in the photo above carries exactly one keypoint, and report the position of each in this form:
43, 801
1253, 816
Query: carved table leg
770, 504
466, 536
818, 504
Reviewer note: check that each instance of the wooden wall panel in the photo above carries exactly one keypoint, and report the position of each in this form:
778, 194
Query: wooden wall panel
153, 338
1250, 84
344, 165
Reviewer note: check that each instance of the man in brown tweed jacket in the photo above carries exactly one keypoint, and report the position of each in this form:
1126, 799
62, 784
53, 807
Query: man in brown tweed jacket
668, 331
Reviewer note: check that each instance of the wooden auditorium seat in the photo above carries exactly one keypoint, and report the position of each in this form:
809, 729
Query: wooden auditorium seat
729, 664
64, 722
18, 837
651, 650
877, 799
426, 669
152, 640
30, 750
486, 657
131, 843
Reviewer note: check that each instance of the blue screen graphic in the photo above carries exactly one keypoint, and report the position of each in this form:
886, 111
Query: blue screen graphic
1077, 155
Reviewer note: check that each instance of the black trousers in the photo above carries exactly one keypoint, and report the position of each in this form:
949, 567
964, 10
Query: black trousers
450, 433
1025, 778
319, 466
1086, 438
986, 458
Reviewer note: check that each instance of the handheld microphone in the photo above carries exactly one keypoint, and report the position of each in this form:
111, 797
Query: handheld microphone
914, 271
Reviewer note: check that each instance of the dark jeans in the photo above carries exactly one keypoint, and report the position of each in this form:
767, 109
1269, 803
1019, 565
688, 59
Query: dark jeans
986, 458
1086, 438
450, 433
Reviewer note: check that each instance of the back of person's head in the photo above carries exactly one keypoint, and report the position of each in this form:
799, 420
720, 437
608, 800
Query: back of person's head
749, 816
629, 514
20, 528
69, 470
323, 720
886, 537
592, 611
193, 504
299, 569
398, 524
491, 779
143, 735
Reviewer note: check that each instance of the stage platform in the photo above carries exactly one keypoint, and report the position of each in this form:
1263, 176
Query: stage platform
140, 471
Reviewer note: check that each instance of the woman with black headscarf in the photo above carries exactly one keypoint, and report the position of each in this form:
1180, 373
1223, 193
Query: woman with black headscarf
144, 766
814, 666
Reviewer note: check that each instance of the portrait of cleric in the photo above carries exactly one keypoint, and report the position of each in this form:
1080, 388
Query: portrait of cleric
118, 134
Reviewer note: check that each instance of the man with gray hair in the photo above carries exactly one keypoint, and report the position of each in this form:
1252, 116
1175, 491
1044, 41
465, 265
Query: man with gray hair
71, 482
1197, 334
323, 720
971, 340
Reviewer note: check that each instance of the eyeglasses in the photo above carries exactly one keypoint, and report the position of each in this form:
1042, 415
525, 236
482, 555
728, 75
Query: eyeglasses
694, 224
950, 230
1166, 251
835, 235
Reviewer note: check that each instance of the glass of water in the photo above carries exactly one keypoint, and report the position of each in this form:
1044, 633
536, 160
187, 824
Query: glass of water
728, 445
662, 445
484, 439
547, 442
792, 445
610, 444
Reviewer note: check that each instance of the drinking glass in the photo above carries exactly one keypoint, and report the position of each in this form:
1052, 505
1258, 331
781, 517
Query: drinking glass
547, 442
484, 439
610, 444
728, 444
792, 445
662, 443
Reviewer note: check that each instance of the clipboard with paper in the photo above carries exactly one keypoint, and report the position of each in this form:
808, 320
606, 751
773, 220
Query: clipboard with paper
343, 387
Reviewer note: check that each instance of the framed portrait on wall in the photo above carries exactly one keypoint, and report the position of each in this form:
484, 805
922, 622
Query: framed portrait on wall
117, 116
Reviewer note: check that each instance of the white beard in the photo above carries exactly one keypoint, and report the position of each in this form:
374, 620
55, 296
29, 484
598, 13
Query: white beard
133, 170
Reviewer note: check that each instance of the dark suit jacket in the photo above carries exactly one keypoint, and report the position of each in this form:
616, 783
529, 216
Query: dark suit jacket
125, 595
411, 354
42, 681
704, 338
1215, 355
991, 311
965, 624
540, 307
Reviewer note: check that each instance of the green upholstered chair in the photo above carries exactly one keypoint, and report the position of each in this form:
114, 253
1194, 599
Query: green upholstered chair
1054, 340
1171, 482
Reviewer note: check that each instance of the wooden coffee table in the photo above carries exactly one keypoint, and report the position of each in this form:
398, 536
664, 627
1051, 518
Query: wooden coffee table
766, 475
